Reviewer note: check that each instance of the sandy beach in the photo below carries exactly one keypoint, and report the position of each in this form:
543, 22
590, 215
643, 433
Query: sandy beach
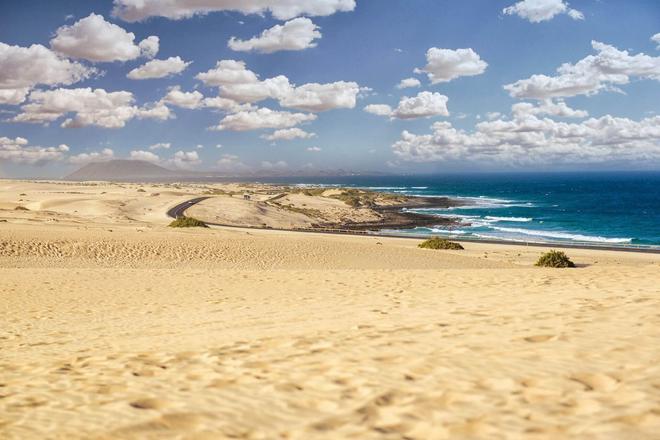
115, 326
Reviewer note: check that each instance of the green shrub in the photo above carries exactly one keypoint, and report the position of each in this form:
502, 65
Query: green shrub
440, 243
554, 259
187, 222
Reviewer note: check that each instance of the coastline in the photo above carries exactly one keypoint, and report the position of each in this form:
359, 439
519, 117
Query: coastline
367, 230
389, 219
603, 207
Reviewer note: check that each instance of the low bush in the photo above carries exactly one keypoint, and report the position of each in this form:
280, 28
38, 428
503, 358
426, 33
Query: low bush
554, 259
21, 208
187, 222
440, 243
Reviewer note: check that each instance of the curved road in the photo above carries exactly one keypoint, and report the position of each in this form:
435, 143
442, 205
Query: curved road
180, 209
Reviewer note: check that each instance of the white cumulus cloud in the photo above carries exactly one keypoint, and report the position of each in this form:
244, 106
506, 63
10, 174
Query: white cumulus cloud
656, 39
18, 150
316, 97
146, 156
156, 110
423, 105
190, 100
160, 146
95, 39
236, 82
22, 68
226, 104
378, 109
527, 139
537, 11
137, 10
408, 83
288, 134
609, 68
185, 159
548, 107
240, 84
88, 107
296, 34
444, 65
149, 46
13, 96
262, 118
159, 68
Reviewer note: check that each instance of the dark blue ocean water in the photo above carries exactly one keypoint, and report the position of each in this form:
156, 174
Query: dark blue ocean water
598, 208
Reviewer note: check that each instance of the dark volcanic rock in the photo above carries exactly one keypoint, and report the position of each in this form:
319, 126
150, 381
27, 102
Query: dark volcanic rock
394, 216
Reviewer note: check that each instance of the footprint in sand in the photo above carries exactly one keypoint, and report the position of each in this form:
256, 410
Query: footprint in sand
540, 338
160, 425
596, 381
148, 403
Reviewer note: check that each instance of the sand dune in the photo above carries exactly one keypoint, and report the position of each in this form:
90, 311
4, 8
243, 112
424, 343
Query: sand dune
122, 328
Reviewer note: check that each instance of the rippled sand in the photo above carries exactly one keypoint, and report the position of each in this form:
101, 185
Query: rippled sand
122, 328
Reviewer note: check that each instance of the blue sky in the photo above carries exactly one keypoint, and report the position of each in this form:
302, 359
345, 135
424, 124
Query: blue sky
601, 113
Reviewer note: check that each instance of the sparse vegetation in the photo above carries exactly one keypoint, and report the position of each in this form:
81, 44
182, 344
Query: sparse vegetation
357, 198
21, 208
187, 222
440, 243
352, 197
219, 192
309, 212
140, 190
312, 192
554, 259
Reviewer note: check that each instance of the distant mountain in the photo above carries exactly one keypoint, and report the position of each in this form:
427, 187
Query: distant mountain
122, 170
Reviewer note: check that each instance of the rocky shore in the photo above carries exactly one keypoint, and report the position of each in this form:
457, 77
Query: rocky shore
395, 216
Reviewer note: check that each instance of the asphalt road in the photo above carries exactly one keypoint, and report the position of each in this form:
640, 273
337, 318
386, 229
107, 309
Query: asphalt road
180, 209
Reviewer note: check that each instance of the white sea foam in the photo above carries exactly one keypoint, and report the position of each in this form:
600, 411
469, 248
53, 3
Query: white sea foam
562, 235
508, 219
448, 231
495, 237
483, 202
486, 205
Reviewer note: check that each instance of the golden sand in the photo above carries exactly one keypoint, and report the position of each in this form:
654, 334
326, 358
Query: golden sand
115, 326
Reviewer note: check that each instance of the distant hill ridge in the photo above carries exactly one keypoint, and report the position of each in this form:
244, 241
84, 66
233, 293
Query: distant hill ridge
122, 169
